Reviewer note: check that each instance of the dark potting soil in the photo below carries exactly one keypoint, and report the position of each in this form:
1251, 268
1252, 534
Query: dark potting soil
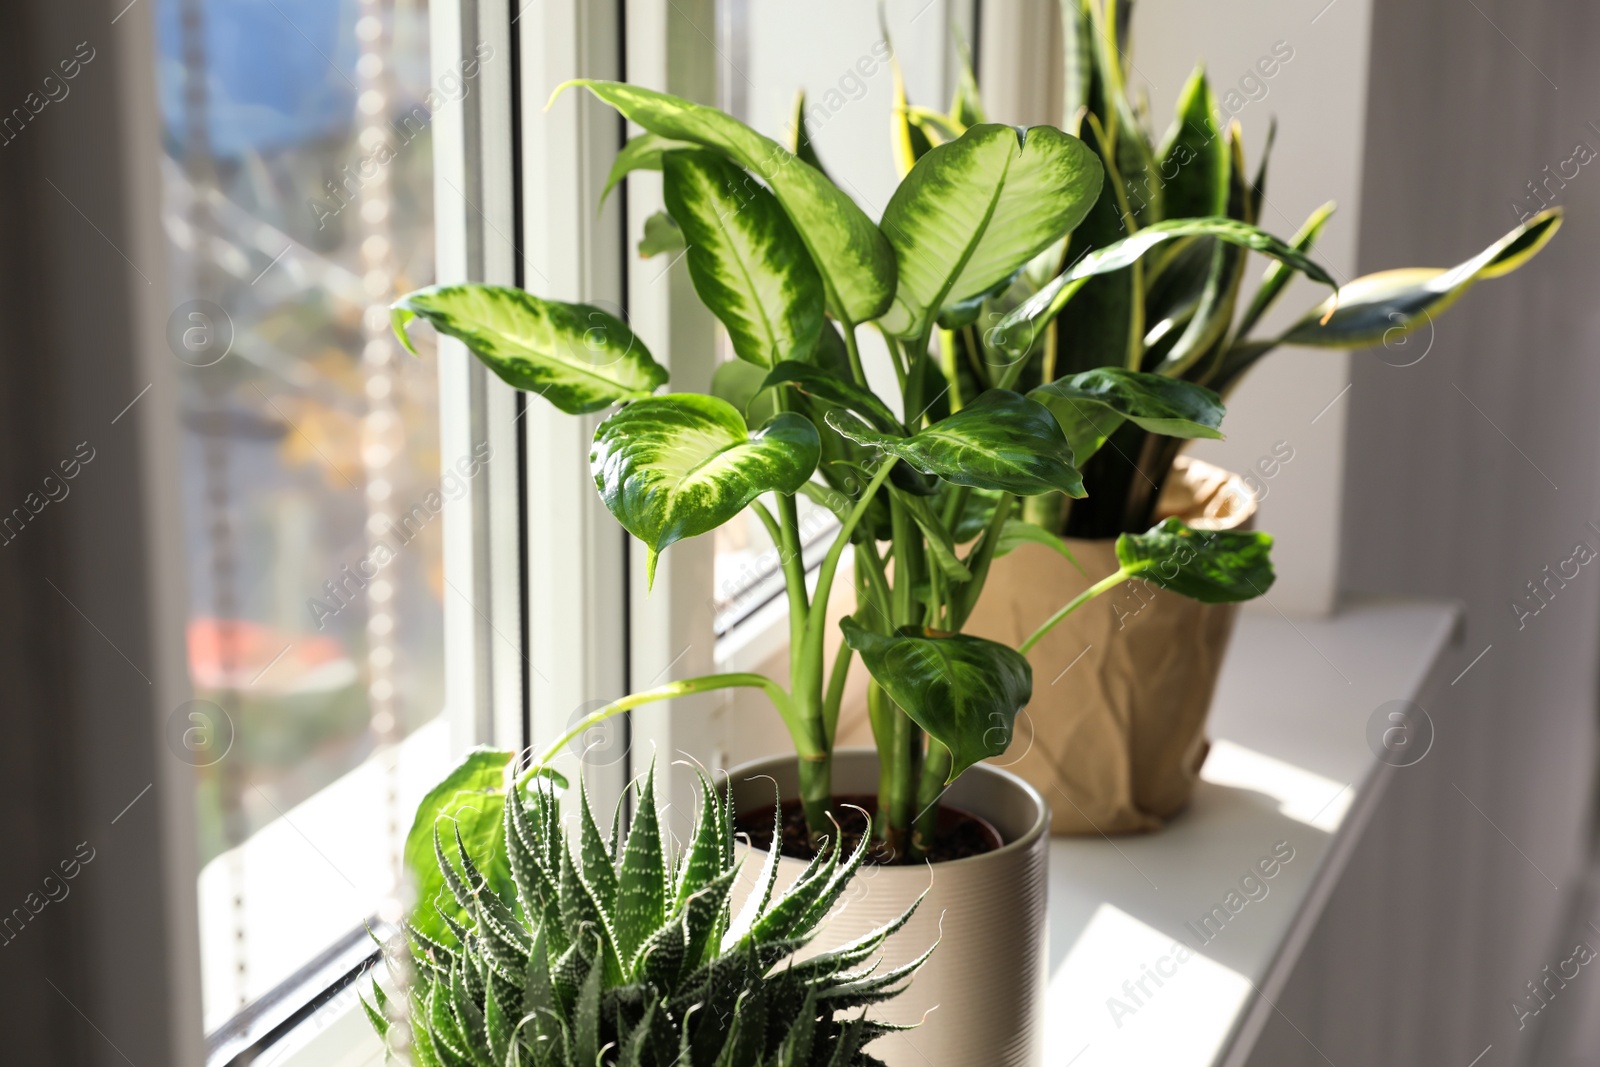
960, 834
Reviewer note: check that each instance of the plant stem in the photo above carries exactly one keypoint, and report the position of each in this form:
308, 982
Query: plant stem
854, 352
684, 687
1111, 581
936, 765
794, 573
947, 359
835, 695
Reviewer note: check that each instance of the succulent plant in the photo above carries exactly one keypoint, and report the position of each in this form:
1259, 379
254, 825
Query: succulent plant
623, 951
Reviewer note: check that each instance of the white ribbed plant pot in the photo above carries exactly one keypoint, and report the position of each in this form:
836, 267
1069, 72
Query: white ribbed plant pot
980, 998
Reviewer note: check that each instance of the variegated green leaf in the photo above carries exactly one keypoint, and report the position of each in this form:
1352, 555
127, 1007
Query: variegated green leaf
999, 441
1017, 331
856, 262
1211, 566
579, 357
676, 466
964, 691
1092, 404
974, 211
747, 262
1382, 307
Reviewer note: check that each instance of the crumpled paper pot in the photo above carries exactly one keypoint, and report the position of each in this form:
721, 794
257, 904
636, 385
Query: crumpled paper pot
1115, 734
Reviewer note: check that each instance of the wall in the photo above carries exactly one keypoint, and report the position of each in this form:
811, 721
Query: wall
1452, 472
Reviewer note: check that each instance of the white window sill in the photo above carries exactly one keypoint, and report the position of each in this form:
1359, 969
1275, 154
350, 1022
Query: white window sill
1289, 763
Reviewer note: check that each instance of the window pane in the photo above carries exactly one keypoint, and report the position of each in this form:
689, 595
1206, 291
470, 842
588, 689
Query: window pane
298, 197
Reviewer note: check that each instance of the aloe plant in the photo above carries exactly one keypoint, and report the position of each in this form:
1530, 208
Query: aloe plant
1053, 347
616, 950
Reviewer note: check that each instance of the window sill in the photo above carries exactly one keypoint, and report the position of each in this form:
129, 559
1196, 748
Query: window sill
1289, 763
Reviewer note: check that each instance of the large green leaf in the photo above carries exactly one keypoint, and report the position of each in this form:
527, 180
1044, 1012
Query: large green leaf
661, 234
470, 800
1002, 440
1211, 566
855, 260
1016, 332
578, 357
1385, 306
964, 691
676, 466
1092, 404
1194, 157
746, 260
974, 211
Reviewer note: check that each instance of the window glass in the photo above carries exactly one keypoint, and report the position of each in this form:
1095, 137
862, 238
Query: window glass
835, 51
297, 200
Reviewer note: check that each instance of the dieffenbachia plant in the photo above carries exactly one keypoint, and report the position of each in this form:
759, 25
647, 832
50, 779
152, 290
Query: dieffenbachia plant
926, 484
1174, 305
528, 949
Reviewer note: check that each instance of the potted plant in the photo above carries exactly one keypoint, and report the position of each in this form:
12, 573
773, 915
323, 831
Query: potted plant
615, 950
1121, 748
793, 268
928, 485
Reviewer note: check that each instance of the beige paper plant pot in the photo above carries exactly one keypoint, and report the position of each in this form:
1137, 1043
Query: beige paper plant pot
1115, 734
980, 998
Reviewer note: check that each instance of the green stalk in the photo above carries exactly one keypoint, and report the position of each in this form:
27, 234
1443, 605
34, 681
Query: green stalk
1109, 582
685, 687
936, 765
854, 353
794, 572
806, 686
835, 695
947, 360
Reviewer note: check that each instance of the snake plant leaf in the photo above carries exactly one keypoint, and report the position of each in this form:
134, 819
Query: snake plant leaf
1002, 440
964, 691
578, 357
473, 795
832, 390
670, 467
1211, 566
1213, 315
661, 234
1388, 305
974, 211
1015, 333
640, 153
1091, 405
854, 258
800, 133
1194, 159
1098, 327
1277, 276
747, 263
1077, 60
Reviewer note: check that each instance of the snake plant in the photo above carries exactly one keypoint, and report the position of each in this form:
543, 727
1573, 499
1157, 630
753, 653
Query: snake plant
616, 950
1179, 310
1049, 345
